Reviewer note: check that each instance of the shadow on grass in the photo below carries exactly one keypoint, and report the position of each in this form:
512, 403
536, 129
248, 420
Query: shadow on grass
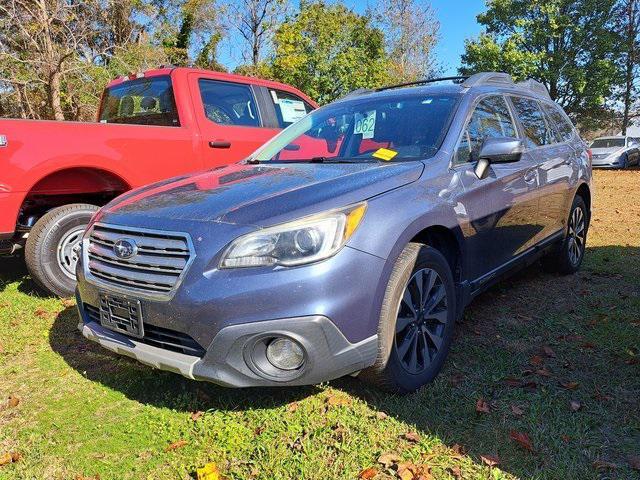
502, 329
12, 270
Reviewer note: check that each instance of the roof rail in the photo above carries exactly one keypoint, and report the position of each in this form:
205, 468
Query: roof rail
534, 86
460, 79
488, 78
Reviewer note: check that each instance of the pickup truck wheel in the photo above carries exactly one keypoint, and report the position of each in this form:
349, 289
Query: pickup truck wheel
53, 247
416, 321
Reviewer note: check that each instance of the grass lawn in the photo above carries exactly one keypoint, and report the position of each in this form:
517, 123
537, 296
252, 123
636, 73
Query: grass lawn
554, 361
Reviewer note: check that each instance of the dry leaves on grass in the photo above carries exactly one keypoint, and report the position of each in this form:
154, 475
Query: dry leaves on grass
411, 471
491, 460
84, 477
368, 473
569, 385
381, 416
604, 465
517, 410
292, 407
548, 351
536, 360
9, 457
12, 401
575, 405
482, 406
388, 459
195, 416
411, 437
208, 472
334, 400
521, 439
176, 445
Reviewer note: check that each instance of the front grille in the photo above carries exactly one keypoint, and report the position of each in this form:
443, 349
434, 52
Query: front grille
156, 268
158, 336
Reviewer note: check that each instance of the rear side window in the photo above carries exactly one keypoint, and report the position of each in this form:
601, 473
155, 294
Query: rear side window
563, 125
490, 119
227, 103
289, 107
536, 130
144, 101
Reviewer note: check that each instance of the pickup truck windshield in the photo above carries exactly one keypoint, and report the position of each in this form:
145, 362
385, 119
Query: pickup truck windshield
388, 128
144, 101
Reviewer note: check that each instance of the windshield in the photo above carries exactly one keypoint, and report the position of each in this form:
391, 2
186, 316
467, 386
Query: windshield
384, 128
608, 143
144, 101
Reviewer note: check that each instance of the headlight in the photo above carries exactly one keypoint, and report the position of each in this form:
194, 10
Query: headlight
295, 243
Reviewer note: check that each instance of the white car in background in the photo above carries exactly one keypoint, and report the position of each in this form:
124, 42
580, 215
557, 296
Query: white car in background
615, 152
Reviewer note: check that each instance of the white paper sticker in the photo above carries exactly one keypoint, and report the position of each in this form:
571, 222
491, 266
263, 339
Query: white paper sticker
365, 124
292, 110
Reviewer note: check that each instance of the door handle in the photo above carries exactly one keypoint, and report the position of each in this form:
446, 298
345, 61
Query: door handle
220, 144
530, 176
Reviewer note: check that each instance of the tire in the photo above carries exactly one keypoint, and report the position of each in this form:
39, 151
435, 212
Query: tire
567, 259
392, 369
625, 162
49, 248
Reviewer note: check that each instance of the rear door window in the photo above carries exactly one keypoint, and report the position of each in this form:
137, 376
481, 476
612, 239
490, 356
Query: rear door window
563, 125
143, 101
289, 107
227, 103
537, 131
490, 119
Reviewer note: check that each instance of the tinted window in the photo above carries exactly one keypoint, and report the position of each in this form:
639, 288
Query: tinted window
229, 103
490, 119
563, 125
607, 143
144, 101
634, 142
536, 130
289, 107
386, 128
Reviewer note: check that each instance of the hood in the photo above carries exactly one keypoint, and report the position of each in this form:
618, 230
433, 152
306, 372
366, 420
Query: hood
606, 151
254, 194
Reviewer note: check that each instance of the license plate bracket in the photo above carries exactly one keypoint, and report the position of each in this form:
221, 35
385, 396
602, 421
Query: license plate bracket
122, 315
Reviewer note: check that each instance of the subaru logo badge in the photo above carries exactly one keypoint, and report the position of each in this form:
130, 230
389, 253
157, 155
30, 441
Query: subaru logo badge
125, 248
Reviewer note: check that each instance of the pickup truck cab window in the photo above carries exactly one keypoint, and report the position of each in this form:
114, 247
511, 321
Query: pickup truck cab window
537, 132
289, 107
144, 101
227, 103
490, 119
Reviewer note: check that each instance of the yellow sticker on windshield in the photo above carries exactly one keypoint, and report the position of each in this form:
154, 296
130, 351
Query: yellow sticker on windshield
384, 154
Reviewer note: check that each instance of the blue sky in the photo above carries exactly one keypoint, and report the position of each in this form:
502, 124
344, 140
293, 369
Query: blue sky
457, 23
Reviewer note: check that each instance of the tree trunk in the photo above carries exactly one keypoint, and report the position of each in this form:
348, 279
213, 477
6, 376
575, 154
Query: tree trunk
631, 35
54, 96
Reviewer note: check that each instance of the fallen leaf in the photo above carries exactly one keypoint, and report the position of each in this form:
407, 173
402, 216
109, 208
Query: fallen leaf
548, 351
543, 372
521, 439
536, 360
517, 410
634, 461
411, 437
13, 401
569, 385
491, 460
565, 438
512, 382
601, 396
575, 405
195, 416
588, 345
482, 406
176, 445
337, 401
84, 477
292, 407
388, 459
381, 416
208, 472
5, 459
368, 473
456, 472
603, 465
405, 471
41, 313
458, 449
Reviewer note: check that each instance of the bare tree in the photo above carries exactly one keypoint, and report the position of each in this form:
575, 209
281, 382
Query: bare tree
629, 15
411, 30
40, 43
256, 21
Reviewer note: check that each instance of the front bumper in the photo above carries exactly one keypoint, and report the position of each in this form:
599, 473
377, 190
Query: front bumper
229, 361
612, 161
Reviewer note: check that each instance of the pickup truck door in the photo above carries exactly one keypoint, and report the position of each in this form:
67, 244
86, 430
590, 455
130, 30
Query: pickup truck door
229, 118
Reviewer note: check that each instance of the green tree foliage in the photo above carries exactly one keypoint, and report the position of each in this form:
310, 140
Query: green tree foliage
327, 50
566, 44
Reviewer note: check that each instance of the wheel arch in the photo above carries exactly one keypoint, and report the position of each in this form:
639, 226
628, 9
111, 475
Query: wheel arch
584, 191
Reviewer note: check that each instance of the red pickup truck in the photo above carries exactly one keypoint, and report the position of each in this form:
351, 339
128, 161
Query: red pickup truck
151, 126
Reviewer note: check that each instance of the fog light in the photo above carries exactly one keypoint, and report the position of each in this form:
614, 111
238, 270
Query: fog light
285, 354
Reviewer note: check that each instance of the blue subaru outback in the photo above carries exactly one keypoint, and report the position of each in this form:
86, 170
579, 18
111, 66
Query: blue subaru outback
349, 243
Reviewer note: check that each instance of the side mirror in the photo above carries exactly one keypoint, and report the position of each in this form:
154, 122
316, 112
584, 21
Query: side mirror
498, 150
